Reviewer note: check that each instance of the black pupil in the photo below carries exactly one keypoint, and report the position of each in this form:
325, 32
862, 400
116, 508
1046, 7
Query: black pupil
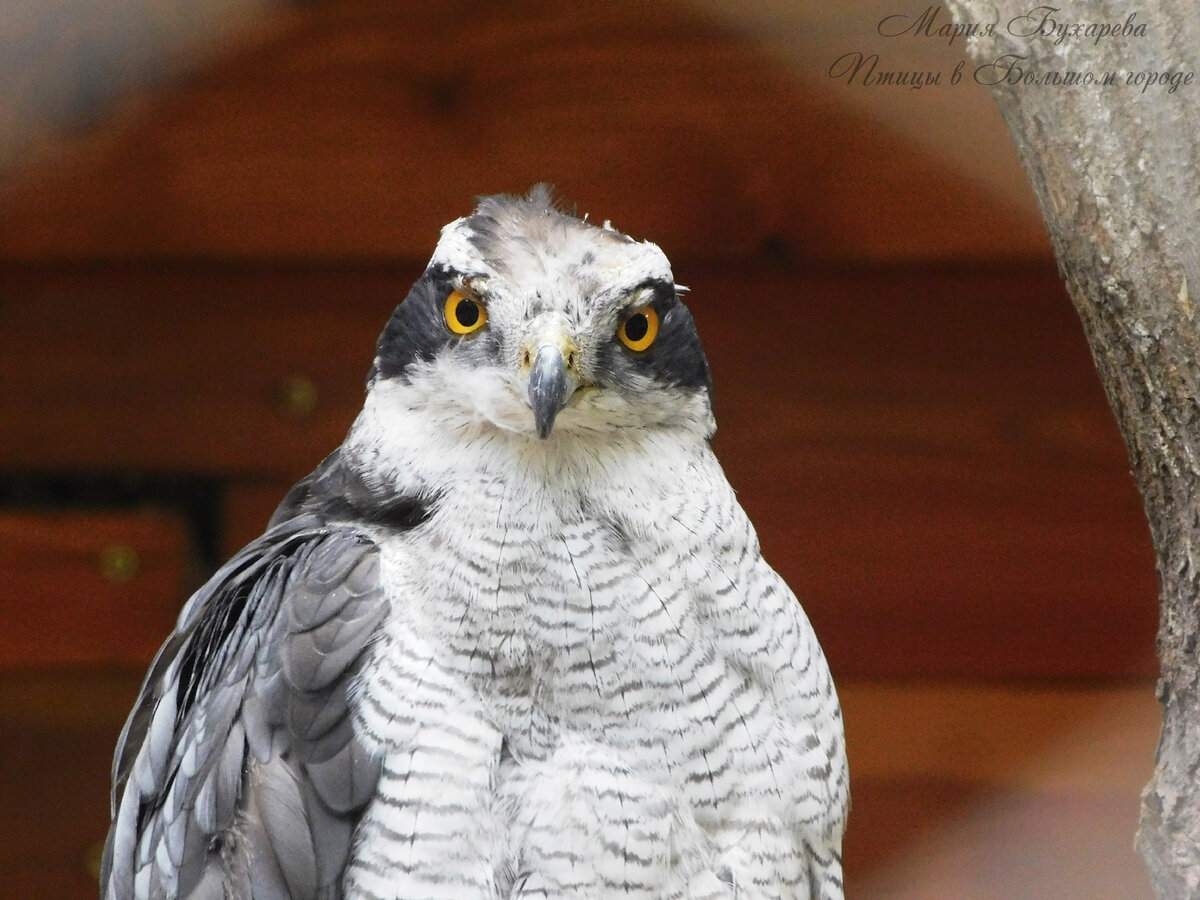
467, 313
636, 327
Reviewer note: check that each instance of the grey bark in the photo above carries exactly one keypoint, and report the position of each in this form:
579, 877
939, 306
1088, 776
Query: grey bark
1117, 175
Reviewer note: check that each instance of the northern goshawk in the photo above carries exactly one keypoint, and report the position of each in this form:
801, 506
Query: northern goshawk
514, 638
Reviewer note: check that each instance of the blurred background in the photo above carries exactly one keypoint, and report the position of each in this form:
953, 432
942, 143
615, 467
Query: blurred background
208, 211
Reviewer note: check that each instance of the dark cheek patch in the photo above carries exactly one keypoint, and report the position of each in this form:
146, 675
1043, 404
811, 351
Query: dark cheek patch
417, 330
676, 357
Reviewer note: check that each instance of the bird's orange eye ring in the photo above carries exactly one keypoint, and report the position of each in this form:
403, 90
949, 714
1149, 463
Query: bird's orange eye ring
464, 313
638, 330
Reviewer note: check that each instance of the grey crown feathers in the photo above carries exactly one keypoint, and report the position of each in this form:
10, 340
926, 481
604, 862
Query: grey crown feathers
514, 638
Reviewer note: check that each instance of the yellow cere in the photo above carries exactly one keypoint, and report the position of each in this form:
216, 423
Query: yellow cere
639, 329
464, 314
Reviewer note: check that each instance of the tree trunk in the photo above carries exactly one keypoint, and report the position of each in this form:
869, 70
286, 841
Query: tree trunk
1116, 169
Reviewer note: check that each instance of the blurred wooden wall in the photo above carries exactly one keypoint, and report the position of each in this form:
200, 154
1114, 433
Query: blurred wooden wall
190, 294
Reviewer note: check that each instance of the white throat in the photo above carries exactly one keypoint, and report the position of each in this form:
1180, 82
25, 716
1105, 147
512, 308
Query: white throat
445, 425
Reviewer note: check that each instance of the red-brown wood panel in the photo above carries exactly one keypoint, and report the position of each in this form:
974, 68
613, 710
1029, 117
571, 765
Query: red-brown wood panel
58, 730
355, 129
89, 588
930, 461
926, 453
186, 369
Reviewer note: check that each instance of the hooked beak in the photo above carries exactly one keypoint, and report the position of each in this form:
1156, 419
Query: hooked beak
550, 387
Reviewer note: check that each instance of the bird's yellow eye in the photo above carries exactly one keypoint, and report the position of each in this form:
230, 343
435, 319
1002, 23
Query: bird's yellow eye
639, 329
464, 313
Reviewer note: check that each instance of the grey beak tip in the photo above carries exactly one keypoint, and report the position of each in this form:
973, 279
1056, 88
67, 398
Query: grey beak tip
549, 388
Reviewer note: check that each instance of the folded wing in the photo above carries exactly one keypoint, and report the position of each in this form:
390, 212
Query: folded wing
238, 772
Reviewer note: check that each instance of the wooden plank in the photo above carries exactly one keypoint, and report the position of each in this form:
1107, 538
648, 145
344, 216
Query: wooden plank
89, 587
943, 840
931, 463
1054, 736
60, 729
982, 790
188, 369
355, 129
248, 507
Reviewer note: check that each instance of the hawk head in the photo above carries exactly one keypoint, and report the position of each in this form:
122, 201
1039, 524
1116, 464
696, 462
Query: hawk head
534, 323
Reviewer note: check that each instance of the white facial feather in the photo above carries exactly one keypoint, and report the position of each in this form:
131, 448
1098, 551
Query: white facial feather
617, 259
580, 274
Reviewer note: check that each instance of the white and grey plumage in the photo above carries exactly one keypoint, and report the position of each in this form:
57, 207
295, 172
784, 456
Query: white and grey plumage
514, 638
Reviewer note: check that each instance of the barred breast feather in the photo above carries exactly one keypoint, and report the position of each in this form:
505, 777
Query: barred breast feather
603, 691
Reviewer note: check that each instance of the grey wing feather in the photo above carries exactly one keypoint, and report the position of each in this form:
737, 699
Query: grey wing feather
240, 746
